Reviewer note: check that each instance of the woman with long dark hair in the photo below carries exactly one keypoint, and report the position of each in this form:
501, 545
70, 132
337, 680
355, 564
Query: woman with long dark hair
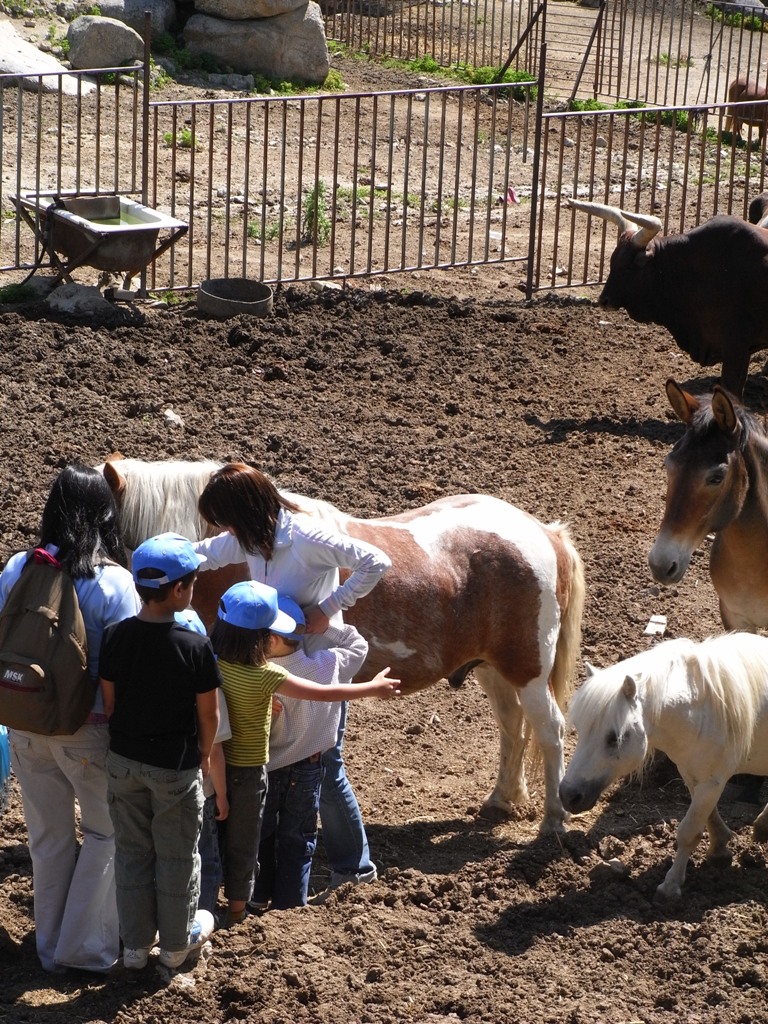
74, 889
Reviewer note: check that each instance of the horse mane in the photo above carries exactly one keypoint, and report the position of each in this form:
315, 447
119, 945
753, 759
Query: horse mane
726, 673
162, 496
753, 427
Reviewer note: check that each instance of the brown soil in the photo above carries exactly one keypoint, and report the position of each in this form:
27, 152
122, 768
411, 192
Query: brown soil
381, 401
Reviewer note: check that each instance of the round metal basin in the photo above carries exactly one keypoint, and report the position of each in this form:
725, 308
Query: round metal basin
224, 297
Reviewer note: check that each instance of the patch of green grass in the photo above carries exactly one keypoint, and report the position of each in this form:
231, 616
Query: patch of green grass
268, 232
746, 21
469, 74
675, 61
165, 46
183, 139
158, 76
14, 293
169, 297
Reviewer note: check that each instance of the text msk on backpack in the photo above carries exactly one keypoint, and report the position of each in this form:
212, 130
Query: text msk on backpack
45, 686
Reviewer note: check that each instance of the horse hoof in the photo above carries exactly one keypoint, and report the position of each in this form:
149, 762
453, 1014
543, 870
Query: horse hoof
494, 812
760, 831
666, 897
720, 860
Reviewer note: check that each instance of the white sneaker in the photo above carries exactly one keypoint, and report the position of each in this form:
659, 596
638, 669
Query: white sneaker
135, 959
357, 877
200, 932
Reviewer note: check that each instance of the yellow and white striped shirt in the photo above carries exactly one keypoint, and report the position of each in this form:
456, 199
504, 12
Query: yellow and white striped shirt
248, 690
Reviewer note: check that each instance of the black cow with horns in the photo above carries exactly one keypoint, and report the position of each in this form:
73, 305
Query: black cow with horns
708, 286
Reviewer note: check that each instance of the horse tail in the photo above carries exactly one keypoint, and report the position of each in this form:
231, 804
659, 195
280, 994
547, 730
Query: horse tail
568, 648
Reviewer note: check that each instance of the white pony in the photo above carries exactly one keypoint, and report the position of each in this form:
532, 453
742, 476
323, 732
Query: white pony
705, 705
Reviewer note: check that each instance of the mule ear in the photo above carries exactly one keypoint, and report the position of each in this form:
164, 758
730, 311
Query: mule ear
683, 404
115, 480
589, 669
723, 410
629, 688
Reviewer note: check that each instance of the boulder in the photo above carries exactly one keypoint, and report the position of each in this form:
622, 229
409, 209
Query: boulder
18, 57
244, 10
96, 42
288, 46
131, 12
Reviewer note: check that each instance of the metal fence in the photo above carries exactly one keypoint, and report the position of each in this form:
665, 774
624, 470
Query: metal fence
663, 52
355, 185
677, 163
480, 34
307, 188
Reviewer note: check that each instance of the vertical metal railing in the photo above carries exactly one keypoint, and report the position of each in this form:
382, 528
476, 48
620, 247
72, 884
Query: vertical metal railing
678, 163
339, 186
65, 132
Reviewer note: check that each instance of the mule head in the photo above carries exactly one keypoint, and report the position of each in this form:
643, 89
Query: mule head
707, 479
612, 741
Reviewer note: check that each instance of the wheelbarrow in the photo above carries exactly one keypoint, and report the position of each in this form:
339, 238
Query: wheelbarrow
107, 232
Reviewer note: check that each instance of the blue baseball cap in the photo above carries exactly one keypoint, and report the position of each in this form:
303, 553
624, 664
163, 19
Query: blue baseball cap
252, 605
289, 606
170, 554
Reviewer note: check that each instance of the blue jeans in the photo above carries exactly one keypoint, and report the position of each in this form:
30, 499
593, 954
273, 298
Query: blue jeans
289, 834
157, 813
211, 871
344, 837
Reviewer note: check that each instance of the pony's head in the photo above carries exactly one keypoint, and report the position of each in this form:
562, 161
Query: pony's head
607, 713
158, 497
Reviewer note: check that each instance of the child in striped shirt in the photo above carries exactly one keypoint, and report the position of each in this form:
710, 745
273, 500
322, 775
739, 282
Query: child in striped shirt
243, 643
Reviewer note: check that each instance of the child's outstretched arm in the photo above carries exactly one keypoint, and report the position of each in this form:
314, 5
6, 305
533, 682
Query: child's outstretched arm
381, 686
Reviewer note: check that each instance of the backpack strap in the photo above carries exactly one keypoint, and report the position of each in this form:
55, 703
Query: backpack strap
43, 557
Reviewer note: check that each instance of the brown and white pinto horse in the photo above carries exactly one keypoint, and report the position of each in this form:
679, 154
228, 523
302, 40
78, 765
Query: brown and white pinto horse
475, 583
717, 482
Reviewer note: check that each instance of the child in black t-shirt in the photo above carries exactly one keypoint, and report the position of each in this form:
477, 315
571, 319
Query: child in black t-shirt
160, 683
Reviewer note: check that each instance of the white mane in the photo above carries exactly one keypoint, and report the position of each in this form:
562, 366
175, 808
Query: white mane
162, 497
724, 677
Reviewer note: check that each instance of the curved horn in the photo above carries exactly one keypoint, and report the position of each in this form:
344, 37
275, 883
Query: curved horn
648, 226
611, 213
648, 229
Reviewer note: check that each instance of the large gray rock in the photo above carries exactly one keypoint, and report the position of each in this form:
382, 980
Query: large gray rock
290, 46
243, 10
18, 57
96, 42
131, 12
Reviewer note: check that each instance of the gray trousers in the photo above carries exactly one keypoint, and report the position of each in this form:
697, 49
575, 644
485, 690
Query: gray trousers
157, 814
74, 891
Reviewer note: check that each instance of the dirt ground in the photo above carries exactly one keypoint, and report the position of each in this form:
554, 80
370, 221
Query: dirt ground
381, 401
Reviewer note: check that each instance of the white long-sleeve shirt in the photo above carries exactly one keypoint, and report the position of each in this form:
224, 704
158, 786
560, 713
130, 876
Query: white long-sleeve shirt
305, 563
306, 727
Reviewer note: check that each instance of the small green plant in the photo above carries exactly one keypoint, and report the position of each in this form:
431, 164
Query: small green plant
316, 223
169, 297
14, 293
750, 22
333, 82
671, 61
184, 139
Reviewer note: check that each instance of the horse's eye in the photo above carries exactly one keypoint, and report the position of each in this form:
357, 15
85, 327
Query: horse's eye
716, 478
612, 740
